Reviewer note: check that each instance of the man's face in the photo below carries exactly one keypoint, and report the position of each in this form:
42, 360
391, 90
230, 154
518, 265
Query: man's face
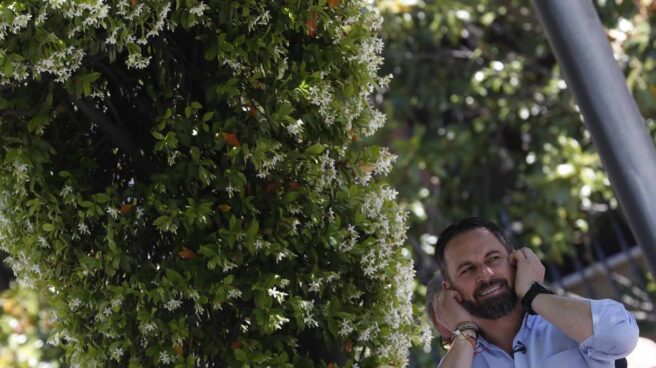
477, 267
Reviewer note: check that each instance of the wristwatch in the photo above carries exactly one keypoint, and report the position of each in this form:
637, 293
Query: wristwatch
535, 289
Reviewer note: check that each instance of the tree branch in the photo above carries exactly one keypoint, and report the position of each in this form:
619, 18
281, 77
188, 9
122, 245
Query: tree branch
116, 135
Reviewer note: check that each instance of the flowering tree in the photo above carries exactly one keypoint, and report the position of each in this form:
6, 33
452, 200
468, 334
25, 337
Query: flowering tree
186, 181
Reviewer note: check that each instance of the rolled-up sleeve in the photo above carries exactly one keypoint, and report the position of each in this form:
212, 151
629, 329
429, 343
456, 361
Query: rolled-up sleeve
614, 331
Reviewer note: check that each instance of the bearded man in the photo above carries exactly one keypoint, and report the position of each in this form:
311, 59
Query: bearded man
496, 312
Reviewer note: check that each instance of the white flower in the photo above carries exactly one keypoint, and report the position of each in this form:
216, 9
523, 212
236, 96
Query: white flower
150, 327
116, 303
426, 336
331, 215
279, 296
321, 96
117, 354
345, 328
376, 122
262, 19
164, 358
20, 22
66, 190
83, 229
74, 304
43, 242
309, 321
259, 244
113, 212
270, 163
56, 4
234, 293
228, 266
199, 9
315, 285
137, 61
384, 163
172, 304
231, 190
161, 18
296, 128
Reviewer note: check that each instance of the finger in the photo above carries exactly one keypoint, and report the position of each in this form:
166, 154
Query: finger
531, 255
437, 300
512, 258
523, 252
457, 296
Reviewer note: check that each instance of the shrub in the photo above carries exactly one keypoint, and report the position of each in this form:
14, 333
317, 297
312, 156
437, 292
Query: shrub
187, 182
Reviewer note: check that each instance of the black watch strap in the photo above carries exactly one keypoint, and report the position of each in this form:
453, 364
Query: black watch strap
535, 289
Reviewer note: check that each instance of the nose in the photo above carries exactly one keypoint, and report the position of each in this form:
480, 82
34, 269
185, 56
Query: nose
485, 274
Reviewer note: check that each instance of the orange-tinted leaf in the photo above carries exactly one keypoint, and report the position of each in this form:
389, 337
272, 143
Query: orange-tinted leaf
231, 139
133, 2
125, 208
366, 167
347, 346
187, 253
331, 365
312, 27
235, 345
272, 187
224, 207
294, 185
333, 3
178, 349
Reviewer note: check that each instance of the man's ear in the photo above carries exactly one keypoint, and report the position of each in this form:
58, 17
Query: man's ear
446, 285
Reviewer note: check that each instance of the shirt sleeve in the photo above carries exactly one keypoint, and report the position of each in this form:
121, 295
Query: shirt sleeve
614, 331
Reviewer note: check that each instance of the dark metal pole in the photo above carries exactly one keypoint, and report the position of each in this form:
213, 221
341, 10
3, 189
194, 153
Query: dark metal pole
618, 129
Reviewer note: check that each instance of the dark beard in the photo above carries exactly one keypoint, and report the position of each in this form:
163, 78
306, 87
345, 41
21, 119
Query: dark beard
493, 307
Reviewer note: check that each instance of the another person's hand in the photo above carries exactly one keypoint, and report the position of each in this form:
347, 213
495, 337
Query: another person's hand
529, 269
448, 312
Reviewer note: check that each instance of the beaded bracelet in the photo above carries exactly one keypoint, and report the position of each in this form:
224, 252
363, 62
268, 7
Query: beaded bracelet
464, 337
467, 325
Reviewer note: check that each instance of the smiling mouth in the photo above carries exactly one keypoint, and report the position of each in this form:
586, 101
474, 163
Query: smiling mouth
490, 290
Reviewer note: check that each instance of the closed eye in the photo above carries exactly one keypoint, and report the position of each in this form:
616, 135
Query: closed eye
493, 258
466, 270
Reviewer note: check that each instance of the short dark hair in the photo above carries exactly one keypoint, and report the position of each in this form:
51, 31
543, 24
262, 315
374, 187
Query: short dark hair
461, 227
432, 288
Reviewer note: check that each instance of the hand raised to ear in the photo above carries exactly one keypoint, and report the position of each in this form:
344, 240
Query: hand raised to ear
529, 269
448, 312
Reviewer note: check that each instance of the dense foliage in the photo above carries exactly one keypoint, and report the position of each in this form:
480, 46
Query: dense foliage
186, 181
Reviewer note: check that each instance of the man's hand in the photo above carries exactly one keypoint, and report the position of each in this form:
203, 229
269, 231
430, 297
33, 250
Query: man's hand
529, 269
449, 312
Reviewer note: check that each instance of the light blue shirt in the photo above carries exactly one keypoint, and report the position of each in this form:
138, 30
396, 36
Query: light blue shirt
615, 334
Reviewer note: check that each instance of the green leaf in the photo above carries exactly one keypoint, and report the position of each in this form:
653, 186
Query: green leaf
316, 149
195, 154
173, 276
48, 227
101, 198
38, 121
208, 116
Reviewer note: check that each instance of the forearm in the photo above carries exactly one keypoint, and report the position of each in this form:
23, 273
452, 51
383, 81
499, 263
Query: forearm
572, 316
461, 355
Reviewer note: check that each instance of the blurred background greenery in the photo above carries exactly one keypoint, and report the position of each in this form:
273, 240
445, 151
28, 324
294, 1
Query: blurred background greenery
483, 124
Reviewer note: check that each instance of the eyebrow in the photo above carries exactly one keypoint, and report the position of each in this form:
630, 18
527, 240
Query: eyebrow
467, 263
